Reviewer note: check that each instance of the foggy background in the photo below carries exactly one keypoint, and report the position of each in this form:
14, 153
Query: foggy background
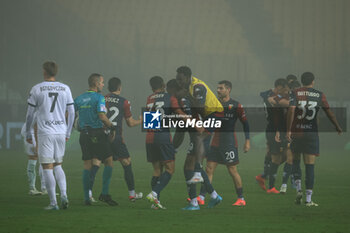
251, 43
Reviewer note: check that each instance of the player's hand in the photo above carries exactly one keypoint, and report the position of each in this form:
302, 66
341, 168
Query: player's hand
29, 140
272, 101
289, 136
111, 136
67, 139
339, 130
246, 146
277, 137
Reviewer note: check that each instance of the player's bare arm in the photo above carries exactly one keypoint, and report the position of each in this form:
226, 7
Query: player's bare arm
290, 117
131, 122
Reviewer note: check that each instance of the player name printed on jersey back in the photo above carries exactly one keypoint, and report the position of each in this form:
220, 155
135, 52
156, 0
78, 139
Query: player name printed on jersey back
50, 100
117, 109
308, 101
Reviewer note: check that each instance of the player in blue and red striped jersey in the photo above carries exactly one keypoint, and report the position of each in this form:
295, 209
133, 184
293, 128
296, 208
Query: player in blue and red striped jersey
302, 129
224, 148
159, 146
118, 108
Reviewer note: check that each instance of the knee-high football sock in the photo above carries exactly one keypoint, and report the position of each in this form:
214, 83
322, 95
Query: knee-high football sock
42, 180
86, 183
129, 177
50, 185
93, 173
191, 188
309, 180
272, 175
61, 180
106, 179
287, 170
163, 181
31, 173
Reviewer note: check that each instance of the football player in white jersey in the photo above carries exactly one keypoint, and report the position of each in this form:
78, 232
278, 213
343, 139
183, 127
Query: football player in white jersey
31, 151
51, 100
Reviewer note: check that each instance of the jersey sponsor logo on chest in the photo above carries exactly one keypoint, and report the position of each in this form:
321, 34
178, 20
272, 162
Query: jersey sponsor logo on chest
53, 122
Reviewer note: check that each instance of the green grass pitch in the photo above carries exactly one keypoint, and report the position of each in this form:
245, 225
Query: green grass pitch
20, 212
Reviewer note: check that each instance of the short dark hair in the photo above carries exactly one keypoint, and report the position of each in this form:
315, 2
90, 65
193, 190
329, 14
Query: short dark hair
50, 68
294, 84
227, 84
291, 77
93, 79
156, 82
114, 84
307, 78
184, 70
172, 84
281, 82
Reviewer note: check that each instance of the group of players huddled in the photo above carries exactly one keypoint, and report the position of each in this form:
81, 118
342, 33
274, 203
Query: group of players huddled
291, 131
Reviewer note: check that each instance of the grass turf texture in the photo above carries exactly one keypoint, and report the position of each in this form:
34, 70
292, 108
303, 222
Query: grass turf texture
20, 212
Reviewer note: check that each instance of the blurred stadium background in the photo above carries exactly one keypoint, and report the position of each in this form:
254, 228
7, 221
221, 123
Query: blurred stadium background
250, 43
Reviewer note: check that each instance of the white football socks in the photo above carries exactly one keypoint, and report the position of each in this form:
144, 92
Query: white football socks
50, 185
42, 180
194, 202
214, 195
132, 193
298, 185
308, 195
31, 173
61, 180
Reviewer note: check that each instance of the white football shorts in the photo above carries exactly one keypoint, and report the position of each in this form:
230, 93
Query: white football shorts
51, 148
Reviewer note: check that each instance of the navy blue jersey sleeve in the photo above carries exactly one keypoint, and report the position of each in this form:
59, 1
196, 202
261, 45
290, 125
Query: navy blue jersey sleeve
292, 99
265, 95
200, 93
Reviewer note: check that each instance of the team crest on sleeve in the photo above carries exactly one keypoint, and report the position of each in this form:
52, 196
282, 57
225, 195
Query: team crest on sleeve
151, 120
103, 108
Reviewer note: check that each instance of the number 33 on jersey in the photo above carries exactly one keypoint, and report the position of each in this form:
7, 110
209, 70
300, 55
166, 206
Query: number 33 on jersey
307, 102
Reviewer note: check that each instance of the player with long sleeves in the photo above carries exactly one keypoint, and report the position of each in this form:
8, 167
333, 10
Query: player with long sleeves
51, 100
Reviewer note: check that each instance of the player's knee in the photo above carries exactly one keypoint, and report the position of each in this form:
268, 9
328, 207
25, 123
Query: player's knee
47, 166
170, 167
96, 162
33, 157
209, 169
109, 162
125, 162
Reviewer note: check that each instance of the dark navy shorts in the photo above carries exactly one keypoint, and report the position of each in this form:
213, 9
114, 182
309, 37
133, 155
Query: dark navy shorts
160, 152
119, 150
308, 143
224, 155
276, 148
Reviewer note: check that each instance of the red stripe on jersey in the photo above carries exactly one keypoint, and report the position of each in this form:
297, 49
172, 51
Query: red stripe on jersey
241, 113
324, 102
174, 103
127, 112
235, 136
